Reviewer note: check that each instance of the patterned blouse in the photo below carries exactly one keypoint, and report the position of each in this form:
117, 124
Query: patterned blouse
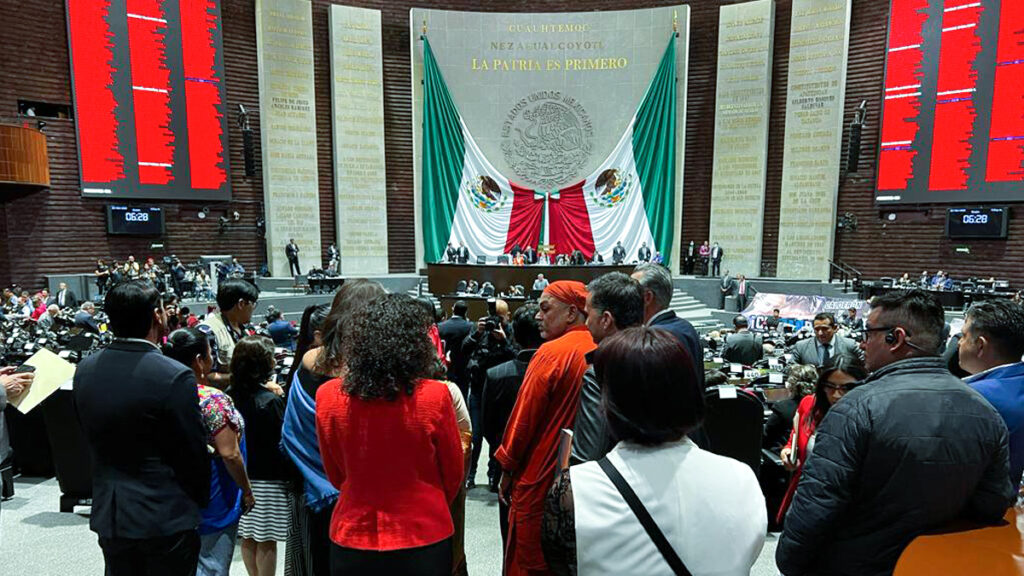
218, 411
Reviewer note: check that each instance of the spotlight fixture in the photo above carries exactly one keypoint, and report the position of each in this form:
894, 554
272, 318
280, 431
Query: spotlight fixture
202, 213
222, 224
236, 216
41, 125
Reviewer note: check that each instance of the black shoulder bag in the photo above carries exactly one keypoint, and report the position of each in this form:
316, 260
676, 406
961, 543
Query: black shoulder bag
644, 517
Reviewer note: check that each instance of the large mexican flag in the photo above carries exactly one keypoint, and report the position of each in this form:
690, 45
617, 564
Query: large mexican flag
628, 199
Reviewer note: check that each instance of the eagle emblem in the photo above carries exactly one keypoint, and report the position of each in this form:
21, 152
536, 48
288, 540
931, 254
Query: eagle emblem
611, 188
484, 193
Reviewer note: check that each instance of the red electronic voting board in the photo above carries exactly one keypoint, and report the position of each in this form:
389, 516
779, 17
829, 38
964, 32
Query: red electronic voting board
953, 104
149, 97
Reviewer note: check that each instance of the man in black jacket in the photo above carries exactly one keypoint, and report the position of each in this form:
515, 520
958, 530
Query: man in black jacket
907, 451
502, 387
485, 348
618, 254
291, 251
453, 331
140, 415
614, 302
644, 253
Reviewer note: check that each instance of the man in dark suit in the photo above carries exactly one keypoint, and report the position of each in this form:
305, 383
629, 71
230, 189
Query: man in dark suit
741, 292
292, 252
618, 254
690, 258
728, 287
644, 253
501, 388
530, 255
86, 318
825, 345
462, 253
743, 346
64, 297
453, 331
657, 284
151, 472
451, 254
716, 258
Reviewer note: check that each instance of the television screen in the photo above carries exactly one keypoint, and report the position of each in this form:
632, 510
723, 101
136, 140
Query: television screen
951, 123
148, 89
976, 222
135, 220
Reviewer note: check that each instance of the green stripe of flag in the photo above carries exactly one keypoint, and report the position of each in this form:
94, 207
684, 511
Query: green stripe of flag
444, 150
654, 150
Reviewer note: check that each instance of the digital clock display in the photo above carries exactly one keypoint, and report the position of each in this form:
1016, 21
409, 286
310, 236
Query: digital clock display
976, 222
135, 220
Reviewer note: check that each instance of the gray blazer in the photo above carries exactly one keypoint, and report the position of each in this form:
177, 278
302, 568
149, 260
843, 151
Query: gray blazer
806, 351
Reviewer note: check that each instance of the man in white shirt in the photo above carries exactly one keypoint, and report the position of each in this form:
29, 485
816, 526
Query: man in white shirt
540, 283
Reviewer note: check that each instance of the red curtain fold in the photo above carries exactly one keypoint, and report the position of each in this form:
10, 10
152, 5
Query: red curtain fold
569, 228
524, 223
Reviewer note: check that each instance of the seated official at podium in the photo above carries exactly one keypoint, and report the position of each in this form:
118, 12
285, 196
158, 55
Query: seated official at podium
597, 258
577, 259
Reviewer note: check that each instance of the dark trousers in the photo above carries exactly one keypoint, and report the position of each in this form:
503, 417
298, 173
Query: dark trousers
174, 555
432, 560
476, 417
716, 267
293, 266
503, 523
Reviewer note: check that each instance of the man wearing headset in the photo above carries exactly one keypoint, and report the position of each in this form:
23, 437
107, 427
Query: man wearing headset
908, 450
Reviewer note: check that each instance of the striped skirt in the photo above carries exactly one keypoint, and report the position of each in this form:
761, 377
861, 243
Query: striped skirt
270, 519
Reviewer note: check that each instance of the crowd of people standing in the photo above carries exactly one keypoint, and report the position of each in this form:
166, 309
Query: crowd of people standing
362, 460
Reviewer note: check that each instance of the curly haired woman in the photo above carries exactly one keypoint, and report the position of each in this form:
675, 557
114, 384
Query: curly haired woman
390, 444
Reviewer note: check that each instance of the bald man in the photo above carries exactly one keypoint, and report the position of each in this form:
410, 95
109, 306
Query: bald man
547, 403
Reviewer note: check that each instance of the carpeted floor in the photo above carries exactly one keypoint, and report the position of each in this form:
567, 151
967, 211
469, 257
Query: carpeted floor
37, 540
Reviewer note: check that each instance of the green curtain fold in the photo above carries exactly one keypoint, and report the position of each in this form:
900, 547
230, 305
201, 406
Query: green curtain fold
654, 148
444, 150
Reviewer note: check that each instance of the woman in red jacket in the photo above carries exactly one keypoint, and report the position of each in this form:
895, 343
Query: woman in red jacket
837, 378
390, 444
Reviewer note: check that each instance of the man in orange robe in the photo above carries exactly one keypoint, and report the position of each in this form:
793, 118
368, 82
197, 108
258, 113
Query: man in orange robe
547, 403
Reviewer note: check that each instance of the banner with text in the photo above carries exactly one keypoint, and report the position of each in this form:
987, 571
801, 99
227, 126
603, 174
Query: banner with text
360, 187
819, 44
797, 309
742, 97
291, 197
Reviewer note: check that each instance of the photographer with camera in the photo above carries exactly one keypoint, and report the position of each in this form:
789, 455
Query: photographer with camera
485, 348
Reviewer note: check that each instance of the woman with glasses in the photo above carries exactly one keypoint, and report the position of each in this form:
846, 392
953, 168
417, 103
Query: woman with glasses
837, 378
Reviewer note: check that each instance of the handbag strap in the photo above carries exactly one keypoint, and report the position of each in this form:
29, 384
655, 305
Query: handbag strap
641, 513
